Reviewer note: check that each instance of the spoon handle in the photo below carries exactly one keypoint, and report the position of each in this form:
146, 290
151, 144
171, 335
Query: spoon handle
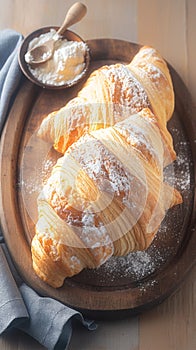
74, 15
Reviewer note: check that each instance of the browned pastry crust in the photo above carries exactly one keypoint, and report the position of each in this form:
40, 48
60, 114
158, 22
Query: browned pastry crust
106, 196
111, 94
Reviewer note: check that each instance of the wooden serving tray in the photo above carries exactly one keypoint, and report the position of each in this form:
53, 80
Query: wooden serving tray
127, 284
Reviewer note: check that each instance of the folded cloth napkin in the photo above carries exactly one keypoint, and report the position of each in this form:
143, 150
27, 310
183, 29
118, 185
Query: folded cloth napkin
10, 73
47, 320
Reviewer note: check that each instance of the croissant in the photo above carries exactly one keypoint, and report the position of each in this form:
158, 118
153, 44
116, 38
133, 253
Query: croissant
113, 93
106, 196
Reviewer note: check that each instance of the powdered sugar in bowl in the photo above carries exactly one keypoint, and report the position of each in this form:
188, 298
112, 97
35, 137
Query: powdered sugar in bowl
67, 66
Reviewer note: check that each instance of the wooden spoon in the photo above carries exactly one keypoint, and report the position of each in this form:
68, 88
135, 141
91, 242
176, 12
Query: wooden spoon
44, 52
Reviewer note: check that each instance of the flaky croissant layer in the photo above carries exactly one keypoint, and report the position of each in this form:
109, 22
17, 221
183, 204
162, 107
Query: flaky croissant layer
106, 196
113, 93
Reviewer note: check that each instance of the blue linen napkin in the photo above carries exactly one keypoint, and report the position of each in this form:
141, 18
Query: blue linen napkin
10, 74
45, 319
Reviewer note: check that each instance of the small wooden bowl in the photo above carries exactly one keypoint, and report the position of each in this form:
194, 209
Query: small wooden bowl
69, 35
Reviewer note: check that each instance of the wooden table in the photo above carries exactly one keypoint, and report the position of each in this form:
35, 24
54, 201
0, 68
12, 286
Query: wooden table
170, 27
169, 326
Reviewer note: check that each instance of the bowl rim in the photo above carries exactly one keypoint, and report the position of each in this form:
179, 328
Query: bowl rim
25, 67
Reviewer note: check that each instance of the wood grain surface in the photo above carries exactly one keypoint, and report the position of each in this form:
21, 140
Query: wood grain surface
170, 27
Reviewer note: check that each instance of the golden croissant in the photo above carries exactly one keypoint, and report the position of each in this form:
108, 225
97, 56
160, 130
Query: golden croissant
106, 195
112, 93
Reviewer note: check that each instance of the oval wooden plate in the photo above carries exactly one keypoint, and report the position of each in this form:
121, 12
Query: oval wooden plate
128, 284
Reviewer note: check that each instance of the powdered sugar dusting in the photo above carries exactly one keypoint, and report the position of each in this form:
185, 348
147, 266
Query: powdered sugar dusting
154, 72
101, 166
143, 134
66, 64
138, 264
182, 165
141, 266
125, 88
146, 68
